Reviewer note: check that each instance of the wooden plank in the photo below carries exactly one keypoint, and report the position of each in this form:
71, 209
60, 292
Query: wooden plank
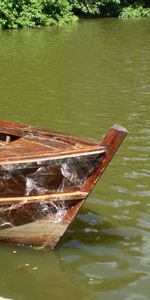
50, 142
43, 232
111, 142
32, 153
44, 198
24, 129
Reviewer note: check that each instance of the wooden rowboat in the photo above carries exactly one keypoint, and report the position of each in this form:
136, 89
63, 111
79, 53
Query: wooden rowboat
45, 177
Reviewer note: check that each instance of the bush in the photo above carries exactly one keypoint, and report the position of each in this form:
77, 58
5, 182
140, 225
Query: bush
103, 8
111, 8
131, 12
31, 13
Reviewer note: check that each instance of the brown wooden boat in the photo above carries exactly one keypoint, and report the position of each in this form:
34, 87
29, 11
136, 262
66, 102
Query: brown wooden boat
45, 178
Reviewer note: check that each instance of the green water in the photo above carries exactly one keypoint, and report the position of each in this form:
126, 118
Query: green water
82, 79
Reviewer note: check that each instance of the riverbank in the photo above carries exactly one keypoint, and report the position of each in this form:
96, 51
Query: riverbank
36, 13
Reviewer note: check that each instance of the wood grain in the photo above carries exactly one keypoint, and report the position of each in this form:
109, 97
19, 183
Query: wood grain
48, 160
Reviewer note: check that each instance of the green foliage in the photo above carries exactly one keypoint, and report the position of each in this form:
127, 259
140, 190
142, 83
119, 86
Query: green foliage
131, 12
111, 8
31, 13
102, 8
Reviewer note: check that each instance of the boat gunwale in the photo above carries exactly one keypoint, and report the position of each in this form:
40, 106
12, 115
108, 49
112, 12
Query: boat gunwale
49, 157
21, 130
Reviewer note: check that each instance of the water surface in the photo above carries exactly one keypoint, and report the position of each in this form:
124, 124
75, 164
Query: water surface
82, 79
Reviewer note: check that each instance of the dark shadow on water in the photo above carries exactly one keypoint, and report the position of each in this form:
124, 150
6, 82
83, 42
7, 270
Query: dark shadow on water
93, 230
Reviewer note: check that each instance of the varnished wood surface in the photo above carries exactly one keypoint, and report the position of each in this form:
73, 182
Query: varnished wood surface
111, 142
21, 130
28, 143
67, 196
39, 231
25, 223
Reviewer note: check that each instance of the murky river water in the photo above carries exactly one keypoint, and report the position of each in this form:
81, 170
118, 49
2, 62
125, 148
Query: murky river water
82, 79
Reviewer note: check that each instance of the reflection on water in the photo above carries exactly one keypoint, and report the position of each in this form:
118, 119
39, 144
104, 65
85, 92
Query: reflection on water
82, 79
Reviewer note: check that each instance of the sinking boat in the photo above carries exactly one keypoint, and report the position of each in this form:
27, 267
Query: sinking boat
45, 177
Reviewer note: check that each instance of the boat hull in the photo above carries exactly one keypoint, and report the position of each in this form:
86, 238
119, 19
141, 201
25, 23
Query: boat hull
41, 192
47, 176
37, 224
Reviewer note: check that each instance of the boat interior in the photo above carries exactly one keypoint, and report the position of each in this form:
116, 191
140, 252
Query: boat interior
7, 138
22, 142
